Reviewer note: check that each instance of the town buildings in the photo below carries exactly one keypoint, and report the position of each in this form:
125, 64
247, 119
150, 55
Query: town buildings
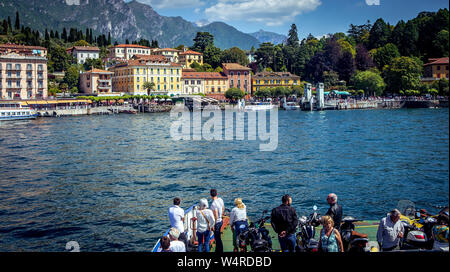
127, 51
187, 58
435, 69
273, 79
23, 75
210, 83
96, 81
82, 53
129, 76
170, 53
23, 50
238, 76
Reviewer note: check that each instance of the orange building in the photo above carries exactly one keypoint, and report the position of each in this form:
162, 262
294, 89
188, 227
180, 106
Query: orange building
189, 57
238, 76
96, 81
435, 69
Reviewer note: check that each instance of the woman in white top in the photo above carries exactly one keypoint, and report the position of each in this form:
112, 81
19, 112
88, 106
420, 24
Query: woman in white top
205, 224
238, 220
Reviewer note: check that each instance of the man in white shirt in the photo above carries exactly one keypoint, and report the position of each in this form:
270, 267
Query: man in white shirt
390, 231
175, 245
218, 208
176, 216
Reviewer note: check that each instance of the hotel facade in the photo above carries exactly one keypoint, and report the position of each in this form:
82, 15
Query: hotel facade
274, 79
23, 76
96, 81
129, 77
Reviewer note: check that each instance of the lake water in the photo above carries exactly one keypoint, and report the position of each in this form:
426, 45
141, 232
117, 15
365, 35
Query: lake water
107, 181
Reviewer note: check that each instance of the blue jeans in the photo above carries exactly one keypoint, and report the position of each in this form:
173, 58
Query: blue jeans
217, 236
287, 243
203, 239
239, 226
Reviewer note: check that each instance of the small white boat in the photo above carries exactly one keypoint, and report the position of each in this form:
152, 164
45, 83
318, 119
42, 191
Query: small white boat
291, 106
259, 106
16, 111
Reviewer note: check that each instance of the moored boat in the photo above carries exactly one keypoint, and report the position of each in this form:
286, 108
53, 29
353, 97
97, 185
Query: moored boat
16, 111
291, 106
259, 106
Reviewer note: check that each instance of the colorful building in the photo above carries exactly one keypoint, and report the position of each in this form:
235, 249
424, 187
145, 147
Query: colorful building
238, 76
23, 50
435, 69
96, 81
188, 57
170, 53
129, 77
273, 79
127, 51
23, 76
209, 83
82, 53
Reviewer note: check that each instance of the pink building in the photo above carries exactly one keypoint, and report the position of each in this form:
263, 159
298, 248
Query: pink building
238, 76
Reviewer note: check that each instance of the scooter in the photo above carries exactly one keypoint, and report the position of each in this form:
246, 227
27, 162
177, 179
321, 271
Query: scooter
354, 241
257, 236
307, 231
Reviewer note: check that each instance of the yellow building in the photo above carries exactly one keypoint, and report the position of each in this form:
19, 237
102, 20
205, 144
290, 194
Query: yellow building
210, 83
273, 79
188, 57
435, 69
129, 77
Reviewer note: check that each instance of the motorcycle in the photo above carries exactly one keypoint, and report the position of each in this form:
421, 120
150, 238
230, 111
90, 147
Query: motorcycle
418, 225
354, 241
257, 236
307, 231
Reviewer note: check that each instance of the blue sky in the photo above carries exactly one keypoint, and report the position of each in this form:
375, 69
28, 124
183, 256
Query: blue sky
318, 17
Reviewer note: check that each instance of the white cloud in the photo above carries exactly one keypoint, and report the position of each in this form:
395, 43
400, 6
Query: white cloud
268, 12
175, 4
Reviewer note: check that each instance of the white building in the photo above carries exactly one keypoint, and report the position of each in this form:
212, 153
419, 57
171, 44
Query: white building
82, 53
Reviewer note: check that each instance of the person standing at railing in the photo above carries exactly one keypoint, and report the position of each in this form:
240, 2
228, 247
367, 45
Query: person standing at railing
176, 216
205, 224
218, 208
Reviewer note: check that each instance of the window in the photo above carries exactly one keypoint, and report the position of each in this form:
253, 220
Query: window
238, 73
18, 67
199, 82
18, 83
439, 68
231, 73
8, 66
28, 66
245, 73
212, 89
192, 82
186, 82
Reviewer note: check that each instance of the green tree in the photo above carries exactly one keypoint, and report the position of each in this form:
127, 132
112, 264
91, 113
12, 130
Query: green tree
81, 43
93, 63
292, 39
213, 56
441, 43
235, 55
379, 34
17, 24
234, 94
72, 76
263, 93
402, 74
372, 83
149, 86
203, 40
58, 58
384, 55
330, 78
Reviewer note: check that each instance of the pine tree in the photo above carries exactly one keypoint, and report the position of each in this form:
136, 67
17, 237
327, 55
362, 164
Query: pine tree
127, 41
17, 25
292, 39
47, 36
109, 38
64, 35
5, 27
9, 24
56, 35
52, 35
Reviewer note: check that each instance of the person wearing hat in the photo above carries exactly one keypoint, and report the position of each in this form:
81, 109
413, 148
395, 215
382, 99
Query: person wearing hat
335, 211
390, 231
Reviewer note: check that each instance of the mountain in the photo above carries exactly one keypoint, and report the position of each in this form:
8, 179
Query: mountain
132, 21
266, 36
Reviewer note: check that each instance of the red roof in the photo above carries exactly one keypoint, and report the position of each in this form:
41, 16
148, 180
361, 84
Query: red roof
190, 52
131, 46
203, 75
437, 61
84, 48
150, 57
98, 71
19, 46
234, 66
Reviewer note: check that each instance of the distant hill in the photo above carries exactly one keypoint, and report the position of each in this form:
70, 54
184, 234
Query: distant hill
266, 36
123, 20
